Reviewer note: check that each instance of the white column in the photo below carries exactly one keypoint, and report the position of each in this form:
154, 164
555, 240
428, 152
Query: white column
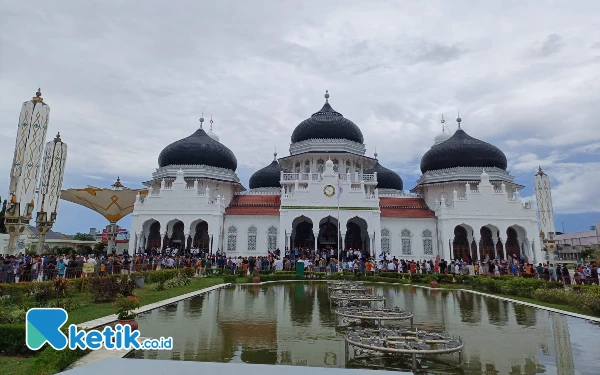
316, 239
504, 248
477, 239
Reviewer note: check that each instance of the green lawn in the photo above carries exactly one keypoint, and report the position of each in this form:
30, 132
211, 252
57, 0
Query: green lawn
88, 311
16, 365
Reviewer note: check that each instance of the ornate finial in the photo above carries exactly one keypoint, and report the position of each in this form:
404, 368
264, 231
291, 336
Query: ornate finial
540, 172
458, 119
375, 154
57, 138
443, 124
201, 119
38, 96
211, 123
118, 184
326, 96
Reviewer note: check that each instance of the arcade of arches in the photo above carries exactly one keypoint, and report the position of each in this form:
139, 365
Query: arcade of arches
355, 236
196, 238
488, 244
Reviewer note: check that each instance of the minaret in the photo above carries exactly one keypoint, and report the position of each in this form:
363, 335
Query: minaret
53, 171
543, 196
31, 135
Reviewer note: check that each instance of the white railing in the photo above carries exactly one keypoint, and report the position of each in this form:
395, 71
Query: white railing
354, 177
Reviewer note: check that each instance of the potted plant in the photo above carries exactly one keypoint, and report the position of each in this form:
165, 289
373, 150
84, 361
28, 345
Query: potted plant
255, 277
126, 314
433, 283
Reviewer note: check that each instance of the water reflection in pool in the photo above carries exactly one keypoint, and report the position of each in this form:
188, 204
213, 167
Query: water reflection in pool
293, 323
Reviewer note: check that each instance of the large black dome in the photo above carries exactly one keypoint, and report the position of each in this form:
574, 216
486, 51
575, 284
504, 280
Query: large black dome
462, 150
267, 177
327, 124
386, 178
198, 149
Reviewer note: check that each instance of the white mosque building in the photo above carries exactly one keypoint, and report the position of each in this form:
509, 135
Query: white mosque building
465, 204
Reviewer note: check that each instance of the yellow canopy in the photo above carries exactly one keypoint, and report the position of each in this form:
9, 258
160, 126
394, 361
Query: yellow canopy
114, 203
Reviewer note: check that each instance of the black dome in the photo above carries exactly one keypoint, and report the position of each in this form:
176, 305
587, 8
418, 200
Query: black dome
327, 124
386, 178
462, 150
267, 177
198, 149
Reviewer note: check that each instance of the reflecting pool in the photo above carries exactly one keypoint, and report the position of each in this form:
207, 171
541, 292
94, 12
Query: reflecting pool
294, 324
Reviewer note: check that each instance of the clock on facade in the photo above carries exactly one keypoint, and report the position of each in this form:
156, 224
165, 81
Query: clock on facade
329, 190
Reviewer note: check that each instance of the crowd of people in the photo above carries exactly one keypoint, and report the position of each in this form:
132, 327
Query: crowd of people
23, 267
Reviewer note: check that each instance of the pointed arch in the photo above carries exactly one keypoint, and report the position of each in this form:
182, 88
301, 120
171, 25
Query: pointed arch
386, 245
427, 242
232, 238
405, 236
272, 238
252, 234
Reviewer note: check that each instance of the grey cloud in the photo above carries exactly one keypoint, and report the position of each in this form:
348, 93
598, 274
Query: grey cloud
435, 53
548, 47
595, 45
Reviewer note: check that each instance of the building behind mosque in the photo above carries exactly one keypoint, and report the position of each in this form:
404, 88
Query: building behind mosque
465, 204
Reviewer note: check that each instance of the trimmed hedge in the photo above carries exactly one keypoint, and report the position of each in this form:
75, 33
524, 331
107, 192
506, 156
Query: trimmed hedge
12, 339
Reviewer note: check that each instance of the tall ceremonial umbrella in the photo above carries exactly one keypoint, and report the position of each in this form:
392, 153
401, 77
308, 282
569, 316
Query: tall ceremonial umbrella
113, 203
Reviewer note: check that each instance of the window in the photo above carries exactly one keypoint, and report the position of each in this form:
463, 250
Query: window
232, 239
348, 166
336, 164
427, 242
297, 167
307, 166
320, 166
252, 238
406, 242
272, 233
385, 240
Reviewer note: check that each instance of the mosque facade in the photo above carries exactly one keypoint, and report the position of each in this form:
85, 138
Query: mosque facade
327, 194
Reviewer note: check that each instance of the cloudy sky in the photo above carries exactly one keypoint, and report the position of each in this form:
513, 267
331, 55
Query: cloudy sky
126, 78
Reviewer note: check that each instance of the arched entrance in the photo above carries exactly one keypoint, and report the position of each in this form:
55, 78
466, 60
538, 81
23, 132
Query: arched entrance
460, 244
328, 233
486, 244
178, 237
302, 233
512, 244
154, 236
357, 236
201, 238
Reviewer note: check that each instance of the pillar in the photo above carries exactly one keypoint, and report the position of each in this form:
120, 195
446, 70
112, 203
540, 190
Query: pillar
289, 245
316, 239
477, 240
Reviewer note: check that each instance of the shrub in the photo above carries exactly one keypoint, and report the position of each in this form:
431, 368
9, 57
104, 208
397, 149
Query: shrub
51, 361
61, 287
229, 279
13, 316
106, 289
12, 339
69, 304
44, 293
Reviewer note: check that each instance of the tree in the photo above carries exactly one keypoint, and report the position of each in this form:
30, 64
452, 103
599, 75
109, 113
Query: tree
99, 248
2, 213
588, 252
84, 237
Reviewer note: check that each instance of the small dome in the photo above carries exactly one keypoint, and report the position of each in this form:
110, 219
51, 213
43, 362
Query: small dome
441, 137
327, 124
267, 177
198, 149
212, 135
386, 178
462, 150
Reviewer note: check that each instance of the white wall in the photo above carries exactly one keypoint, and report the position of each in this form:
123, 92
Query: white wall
416, 228
243, 223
